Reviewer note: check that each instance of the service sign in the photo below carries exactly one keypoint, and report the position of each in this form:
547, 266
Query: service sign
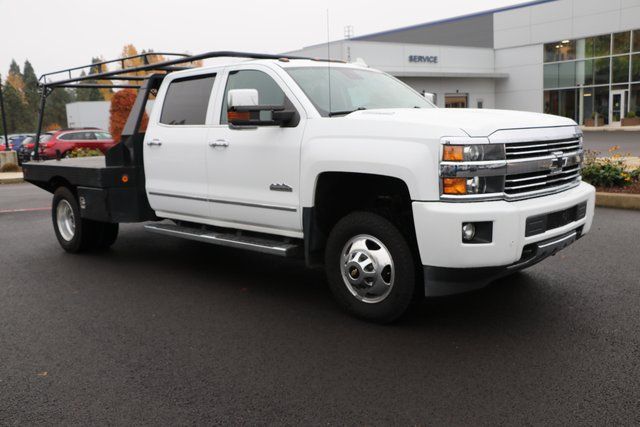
417, 59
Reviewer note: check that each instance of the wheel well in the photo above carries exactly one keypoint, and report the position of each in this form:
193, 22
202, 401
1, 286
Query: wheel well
57, 182
339, 193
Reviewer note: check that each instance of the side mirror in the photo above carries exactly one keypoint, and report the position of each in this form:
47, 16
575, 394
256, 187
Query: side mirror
244, 111
242, 97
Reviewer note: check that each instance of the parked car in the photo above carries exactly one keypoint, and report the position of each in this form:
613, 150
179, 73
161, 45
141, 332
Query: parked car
62, 143
25, 151
395, 197
15, 141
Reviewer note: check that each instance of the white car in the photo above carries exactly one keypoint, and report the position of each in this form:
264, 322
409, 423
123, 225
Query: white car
352, 170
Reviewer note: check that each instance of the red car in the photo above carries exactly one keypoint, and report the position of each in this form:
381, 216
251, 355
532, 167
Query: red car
61, 143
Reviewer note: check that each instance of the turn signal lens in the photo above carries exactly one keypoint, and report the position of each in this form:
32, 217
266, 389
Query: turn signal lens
238, 115
453, 153
454, 185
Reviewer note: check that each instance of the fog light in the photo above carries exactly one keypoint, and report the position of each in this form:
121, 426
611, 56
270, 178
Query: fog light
468, 231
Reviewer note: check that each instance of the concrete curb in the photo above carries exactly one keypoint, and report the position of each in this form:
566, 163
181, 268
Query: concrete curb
618, 200
11, 178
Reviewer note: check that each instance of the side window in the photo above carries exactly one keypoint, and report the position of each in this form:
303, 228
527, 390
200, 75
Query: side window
67, 137
88, 136
187, 100
269, 92
103, 135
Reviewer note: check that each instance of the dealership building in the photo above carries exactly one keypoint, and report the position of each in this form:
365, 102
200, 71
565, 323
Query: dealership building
575, 58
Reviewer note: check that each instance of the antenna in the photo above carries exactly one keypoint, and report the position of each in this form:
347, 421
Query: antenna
329, 57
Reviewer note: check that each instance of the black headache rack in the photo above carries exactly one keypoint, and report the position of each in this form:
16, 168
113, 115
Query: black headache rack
112, 188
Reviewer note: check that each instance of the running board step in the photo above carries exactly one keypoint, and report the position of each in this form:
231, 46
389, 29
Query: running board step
252, 243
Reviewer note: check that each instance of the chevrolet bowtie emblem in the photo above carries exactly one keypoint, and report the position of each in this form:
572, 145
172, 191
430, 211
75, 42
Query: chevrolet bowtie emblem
558, 162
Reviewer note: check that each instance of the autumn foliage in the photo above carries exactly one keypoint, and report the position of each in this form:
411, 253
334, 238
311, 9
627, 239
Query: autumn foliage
121, 105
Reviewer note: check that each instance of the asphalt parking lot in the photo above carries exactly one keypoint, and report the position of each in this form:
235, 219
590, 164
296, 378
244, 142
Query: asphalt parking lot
629, 142
166, 331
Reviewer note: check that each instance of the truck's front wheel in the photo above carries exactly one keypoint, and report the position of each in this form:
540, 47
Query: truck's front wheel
370, 267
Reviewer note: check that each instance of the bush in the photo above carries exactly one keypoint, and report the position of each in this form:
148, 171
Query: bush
10, 167
85, 152
608, 171
631, 115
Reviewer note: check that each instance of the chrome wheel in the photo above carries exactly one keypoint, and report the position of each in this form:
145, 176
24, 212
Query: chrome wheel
367, 268
66, 220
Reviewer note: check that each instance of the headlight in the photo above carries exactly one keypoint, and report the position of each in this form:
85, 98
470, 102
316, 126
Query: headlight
472, 169
473, 153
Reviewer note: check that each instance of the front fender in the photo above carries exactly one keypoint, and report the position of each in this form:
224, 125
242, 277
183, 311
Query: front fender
414, 162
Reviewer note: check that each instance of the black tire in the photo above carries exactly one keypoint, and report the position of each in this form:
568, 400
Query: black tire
403, 288
84, 233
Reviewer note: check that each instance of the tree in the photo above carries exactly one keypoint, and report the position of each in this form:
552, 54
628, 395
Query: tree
56, 108
89, 94
106, 93
121, 105
31, 95
15, 110
15, 78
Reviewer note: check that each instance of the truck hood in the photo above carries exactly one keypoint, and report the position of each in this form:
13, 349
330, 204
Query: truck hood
474, 122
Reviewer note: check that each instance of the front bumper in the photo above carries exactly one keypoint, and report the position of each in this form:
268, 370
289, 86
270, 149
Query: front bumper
444, 255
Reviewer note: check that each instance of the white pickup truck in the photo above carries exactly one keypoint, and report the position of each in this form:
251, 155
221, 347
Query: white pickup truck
337, 163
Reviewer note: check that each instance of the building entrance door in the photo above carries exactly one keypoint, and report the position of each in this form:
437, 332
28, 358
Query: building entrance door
456, 100
617, 105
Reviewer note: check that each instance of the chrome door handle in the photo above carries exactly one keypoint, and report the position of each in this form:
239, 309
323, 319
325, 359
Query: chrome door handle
154, 142
219, 143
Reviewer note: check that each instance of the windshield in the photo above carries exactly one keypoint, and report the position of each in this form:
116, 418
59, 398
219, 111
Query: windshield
354, 89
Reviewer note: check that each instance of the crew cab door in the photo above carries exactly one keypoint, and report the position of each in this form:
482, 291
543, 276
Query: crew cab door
175, 147
254, 172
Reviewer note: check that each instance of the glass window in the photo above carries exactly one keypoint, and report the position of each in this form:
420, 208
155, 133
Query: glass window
635, 68
567, 74
586, 105
187, 100
353, 88
634, 99
601, 71
67, 137
622, 42
560, 51
584, 72
597, 46
601, 105
550, 50
103, 135
636, 41
561, 103
620, 69
551, 76
269, 92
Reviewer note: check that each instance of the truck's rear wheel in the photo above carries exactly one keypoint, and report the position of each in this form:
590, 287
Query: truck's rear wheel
77, 234
370, 267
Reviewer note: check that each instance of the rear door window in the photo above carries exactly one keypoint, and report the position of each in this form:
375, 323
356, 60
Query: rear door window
187, 101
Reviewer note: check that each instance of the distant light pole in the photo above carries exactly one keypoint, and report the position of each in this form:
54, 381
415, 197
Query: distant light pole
4, 120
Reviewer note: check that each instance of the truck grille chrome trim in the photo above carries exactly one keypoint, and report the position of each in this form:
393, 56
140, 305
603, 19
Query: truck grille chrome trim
519, 150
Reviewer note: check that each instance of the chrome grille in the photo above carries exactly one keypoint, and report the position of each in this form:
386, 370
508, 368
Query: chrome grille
523, 150
521, 184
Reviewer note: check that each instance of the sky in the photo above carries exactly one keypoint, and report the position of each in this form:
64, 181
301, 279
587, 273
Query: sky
57, 34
